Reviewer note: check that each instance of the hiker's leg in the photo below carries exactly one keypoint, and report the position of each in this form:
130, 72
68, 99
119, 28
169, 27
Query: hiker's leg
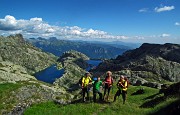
104, 92
116, 95
83, 91
94, 96
87, 91
109, 88
100, 95
124, 96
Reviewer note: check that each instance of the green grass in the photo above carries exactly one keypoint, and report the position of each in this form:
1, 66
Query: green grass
50, 108
131, 107
6, 101
7, 98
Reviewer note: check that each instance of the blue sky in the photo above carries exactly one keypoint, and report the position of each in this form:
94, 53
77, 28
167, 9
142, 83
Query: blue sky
152, 21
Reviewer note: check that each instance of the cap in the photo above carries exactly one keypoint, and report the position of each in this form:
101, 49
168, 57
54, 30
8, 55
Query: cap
109, 72
95, 79
122, 76
87, 73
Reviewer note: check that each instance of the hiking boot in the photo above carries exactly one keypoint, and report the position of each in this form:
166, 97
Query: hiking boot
84, 100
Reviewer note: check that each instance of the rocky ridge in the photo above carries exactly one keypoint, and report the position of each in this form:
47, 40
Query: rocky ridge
74, 64
150, 64
16, 50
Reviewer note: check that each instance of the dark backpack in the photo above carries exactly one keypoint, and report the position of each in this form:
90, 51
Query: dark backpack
80, 80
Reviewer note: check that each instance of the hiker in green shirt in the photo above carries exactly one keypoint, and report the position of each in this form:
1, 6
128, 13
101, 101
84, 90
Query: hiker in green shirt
97, 83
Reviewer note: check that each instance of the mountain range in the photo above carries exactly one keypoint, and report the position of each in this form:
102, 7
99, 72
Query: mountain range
93, 49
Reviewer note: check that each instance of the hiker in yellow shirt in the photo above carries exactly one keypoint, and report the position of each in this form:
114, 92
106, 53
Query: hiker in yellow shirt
122, 88
85, 85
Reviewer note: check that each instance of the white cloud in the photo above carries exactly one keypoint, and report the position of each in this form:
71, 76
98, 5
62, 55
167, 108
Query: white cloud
36, 19
177, 24
36, 27
9, 22
165, 8
143, 10
165, 35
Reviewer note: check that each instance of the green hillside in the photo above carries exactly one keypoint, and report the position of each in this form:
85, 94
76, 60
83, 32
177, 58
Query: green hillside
142, 104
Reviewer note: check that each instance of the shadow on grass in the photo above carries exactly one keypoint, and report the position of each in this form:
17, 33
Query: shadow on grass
171, 109
152, 96
153, 102
138, 92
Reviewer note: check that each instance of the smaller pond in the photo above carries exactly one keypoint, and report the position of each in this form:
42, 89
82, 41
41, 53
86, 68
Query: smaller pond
93, 64
49, 74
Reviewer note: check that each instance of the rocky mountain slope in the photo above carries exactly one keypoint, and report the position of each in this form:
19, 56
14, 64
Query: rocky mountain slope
74, 64
12, 73
16, 50
153, 63
93, 50
18, 88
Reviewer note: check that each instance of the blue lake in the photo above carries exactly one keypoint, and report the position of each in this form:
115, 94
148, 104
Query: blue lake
93, 64
50, 74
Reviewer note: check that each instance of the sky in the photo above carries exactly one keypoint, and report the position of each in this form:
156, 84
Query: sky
137, 21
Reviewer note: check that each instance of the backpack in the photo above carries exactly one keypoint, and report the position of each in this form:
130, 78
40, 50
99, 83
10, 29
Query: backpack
128, 83
80, 81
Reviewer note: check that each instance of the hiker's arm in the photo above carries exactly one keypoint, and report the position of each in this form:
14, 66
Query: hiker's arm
82, 82
125, 85
90, 80
121, 85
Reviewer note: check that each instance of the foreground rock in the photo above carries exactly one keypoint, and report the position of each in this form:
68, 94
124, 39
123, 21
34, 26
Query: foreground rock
33, 92
11, 73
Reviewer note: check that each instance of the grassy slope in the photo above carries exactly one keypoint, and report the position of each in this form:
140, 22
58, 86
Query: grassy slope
5, 94
132, 106
8, 97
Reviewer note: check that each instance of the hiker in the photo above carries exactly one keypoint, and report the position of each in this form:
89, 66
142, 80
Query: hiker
108, 82
122, 88
86, 81
97, 83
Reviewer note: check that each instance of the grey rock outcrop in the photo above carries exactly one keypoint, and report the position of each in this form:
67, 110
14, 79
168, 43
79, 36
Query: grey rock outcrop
16, 50
74, 64
12, 73
150, 64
